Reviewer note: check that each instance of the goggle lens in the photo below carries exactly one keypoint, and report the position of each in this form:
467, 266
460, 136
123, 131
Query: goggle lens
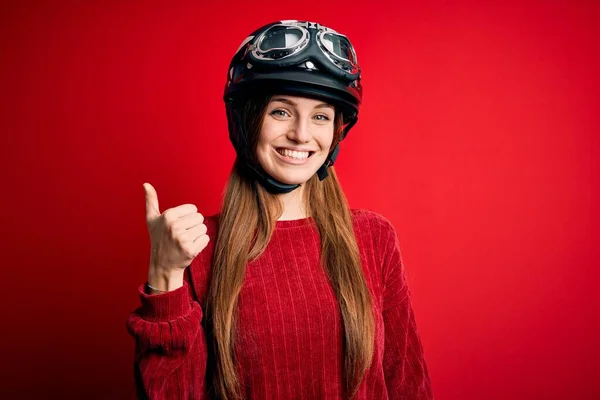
280, 38
339, 46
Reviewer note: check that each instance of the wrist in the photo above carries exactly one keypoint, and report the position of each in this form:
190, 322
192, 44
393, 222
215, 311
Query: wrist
164, 281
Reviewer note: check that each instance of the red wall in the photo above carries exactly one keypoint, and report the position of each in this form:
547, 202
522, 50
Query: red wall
478, 138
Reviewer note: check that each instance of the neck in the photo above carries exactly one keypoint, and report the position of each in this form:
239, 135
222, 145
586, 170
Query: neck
294, 206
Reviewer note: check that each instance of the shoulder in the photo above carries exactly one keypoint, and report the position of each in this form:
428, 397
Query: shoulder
371, 222
377, 239
374, 230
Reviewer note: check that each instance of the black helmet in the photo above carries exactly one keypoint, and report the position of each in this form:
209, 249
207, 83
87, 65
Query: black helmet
296, 58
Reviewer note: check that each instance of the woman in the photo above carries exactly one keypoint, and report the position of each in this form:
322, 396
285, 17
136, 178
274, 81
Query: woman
299, 296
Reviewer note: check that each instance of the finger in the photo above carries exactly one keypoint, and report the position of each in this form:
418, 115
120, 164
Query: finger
152, 210
188, 222
193, 233
180, 211
201, 242
192, 248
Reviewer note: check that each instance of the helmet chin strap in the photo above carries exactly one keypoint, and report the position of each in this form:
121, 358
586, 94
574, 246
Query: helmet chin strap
271, 184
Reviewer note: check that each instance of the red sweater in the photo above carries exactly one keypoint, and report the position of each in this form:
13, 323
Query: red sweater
289, 343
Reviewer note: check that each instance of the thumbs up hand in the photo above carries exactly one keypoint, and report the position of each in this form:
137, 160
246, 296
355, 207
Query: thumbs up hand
177, 236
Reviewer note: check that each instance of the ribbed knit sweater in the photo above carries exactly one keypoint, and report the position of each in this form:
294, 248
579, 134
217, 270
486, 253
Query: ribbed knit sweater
290, 341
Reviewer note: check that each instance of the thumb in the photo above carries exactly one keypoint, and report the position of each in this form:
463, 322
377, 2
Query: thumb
152, 210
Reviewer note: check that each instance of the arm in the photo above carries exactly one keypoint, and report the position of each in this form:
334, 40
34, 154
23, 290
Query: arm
404, 365
170, 352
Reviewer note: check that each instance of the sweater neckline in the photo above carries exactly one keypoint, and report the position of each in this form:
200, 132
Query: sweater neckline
292, 223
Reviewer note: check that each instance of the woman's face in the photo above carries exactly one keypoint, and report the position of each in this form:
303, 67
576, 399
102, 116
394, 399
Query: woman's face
295, 138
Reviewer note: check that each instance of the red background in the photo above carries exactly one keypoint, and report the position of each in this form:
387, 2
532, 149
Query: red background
478, 138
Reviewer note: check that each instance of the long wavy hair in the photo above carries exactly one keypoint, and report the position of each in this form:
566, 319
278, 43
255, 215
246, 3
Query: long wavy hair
246, 222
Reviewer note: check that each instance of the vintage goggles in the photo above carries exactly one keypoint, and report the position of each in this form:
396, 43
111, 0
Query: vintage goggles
295, 43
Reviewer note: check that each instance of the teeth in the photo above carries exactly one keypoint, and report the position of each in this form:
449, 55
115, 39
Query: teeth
299, 155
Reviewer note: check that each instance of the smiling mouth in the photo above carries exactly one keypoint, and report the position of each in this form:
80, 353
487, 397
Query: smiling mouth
296, 155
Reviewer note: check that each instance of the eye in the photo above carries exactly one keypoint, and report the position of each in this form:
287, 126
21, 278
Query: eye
322, 117
280, 113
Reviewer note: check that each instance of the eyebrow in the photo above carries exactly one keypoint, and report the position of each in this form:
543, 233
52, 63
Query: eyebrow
290, 102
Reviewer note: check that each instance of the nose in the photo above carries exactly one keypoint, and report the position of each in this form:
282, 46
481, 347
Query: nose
299, 131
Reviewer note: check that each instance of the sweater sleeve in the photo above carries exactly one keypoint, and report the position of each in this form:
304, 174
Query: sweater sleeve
170, 351
405, 369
